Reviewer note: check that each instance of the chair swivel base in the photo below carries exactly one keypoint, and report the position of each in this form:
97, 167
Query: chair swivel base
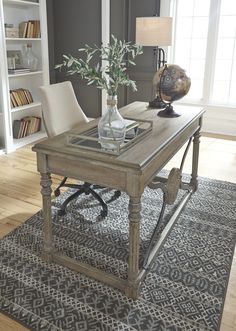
85, 188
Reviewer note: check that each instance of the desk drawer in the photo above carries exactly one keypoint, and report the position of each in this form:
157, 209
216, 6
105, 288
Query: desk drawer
87, 171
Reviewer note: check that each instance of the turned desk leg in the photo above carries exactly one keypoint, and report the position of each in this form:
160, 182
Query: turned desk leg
47, 217
196, 142
132, 289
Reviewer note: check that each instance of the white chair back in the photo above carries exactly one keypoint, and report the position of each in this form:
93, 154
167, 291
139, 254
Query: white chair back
61, 111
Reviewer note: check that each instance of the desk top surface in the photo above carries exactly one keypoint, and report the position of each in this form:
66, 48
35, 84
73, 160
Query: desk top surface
164, 131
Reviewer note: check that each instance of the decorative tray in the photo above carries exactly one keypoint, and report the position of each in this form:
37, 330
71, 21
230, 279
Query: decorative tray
135, 131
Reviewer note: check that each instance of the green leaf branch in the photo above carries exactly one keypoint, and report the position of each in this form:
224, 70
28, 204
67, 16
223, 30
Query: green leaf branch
117, 56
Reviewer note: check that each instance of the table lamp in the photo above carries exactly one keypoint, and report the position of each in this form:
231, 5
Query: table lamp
155, 31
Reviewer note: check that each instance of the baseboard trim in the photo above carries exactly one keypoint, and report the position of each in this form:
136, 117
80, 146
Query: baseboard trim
218, 135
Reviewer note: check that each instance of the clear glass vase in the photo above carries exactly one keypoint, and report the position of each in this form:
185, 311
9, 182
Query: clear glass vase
30, 60
111, 127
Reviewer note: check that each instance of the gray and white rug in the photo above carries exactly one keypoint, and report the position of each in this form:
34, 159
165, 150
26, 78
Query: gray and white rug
184, 290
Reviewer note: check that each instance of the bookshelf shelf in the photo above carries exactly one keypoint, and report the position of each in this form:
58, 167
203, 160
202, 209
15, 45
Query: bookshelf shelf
13, 13
26, 74
21, 3
25, 107
23, 39
29, 139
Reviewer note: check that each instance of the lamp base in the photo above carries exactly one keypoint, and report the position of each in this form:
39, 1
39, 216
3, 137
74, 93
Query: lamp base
157, 103
168, 112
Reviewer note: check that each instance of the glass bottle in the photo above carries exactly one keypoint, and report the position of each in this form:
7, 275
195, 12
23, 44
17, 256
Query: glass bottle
111, 127
30, 60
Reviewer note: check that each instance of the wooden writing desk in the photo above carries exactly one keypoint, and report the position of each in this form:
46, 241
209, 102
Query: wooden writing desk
131, 171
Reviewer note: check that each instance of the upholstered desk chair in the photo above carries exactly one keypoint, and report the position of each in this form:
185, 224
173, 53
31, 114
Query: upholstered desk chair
61, 112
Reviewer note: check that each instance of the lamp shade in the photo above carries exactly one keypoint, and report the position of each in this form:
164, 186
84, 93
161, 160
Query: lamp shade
153, 31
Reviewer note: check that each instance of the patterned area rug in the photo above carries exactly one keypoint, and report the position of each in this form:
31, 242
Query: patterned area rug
184, 290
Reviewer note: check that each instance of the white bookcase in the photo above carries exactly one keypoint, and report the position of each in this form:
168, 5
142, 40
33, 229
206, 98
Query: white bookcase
15, 12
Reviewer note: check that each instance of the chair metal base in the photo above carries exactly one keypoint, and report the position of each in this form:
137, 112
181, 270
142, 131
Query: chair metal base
85, 188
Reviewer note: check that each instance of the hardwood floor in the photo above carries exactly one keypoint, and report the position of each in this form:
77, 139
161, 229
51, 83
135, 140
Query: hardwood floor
20, 198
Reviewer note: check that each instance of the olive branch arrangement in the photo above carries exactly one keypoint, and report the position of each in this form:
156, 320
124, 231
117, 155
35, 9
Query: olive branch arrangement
117, 56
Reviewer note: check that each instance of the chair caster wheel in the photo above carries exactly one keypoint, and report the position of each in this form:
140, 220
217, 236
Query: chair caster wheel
104, 213
61, 212
117, 194
57, 192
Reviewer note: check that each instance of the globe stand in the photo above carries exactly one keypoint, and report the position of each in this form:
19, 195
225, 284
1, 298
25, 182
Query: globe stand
157, 103
168, 111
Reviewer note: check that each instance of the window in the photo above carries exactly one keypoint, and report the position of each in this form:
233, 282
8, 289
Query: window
204, 45
224, 86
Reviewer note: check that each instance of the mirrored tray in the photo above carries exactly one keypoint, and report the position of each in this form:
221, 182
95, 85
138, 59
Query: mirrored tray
135, 131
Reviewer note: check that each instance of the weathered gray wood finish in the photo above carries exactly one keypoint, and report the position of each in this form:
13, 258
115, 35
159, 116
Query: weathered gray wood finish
131, 172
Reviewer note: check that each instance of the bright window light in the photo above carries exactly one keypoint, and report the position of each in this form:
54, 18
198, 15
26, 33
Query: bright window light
205, 46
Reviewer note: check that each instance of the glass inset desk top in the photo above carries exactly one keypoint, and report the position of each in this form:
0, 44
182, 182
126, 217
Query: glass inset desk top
88, 139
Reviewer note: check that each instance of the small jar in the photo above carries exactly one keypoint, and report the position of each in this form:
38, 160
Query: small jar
30, 59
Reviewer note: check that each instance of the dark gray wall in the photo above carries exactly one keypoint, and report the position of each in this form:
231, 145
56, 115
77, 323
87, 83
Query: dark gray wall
75, 23
119, 12
123, 21
50, 18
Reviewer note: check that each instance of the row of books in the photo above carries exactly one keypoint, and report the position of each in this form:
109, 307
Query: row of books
20, 97
26, 126
29, 29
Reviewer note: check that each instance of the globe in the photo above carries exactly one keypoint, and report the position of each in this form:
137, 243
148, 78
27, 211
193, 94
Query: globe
171, 83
